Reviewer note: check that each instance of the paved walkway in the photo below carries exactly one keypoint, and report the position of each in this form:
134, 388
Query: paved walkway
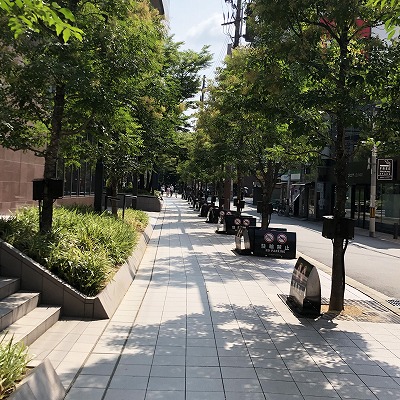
200, 322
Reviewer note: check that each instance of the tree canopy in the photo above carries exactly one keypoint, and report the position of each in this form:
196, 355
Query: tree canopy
126, 81
37, 15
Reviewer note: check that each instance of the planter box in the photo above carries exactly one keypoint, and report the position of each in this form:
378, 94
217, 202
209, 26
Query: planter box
148, 203
54, 291
42, 383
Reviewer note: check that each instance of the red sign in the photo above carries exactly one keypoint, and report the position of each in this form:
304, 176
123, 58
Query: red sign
281, 238
269, 237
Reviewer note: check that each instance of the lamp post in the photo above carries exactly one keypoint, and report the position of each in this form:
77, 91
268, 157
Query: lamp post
372, 192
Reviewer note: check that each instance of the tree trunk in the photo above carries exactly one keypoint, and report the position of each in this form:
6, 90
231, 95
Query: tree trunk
336, 302
141, 181
50, 160
239, 191
114, 201
267, 181
98, 186
227, 187
135, 184
264, 208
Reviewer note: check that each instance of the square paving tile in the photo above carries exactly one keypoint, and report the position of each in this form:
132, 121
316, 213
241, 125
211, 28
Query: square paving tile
85, 393
316, 389
129, 382
379, 381
133, 370
124, 394
205, 395
198, 361
92, 381
242, 385
165, 395
355, 392
200, 384
168, 371
246, 396
161, 383
203, 372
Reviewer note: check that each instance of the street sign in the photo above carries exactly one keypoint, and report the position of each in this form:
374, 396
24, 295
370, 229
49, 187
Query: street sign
272, 243
384, 169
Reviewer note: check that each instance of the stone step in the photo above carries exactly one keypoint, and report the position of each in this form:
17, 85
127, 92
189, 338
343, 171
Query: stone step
28, 328
15, 306
8, 286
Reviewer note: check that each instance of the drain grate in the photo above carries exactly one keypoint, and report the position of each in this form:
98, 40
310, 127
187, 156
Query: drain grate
394, 302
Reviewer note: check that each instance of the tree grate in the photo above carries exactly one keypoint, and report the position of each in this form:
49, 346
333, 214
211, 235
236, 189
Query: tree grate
358, 310
394, 302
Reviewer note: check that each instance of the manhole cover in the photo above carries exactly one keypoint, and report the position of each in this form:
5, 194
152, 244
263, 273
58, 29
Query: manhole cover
394, 302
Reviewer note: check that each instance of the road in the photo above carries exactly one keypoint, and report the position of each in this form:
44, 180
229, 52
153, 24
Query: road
374, 262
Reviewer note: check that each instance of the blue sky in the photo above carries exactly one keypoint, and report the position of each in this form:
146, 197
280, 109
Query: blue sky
198, 23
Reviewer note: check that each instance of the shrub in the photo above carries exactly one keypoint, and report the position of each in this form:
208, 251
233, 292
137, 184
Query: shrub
13, 361
84, 248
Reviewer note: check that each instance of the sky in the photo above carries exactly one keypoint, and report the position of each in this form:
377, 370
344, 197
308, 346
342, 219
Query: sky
198, 23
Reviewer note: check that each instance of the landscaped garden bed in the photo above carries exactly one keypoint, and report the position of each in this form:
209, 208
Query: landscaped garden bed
85, 265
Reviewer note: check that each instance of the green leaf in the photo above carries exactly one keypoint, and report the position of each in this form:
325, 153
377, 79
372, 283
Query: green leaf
55, 5
66, 34
59, 29
67, 14
5, 6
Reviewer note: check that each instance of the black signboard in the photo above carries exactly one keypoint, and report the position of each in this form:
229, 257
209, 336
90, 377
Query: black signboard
232, 222
305, 289
277, 244
213, 215
54, 188
384, 171
204, 210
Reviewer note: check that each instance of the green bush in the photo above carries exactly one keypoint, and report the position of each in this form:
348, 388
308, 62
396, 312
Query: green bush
84, 248
13, 361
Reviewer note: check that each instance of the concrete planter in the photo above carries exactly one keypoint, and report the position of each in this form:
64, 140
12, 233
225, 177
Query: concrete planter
54, 291
42, 383
148, 203
142, 202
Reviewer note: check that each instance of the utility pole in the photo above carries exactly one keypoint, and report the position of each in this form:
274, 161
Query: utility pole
203, 87
372, 193
237, 22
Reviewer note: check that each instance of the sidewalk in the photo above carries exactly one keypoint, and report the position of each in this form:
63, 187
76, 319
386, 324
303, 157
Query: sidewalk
200, 322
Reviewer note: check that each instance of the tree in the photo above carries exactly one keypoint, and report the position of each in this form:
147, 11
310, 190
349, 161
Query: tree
251, 101
120, 147
55, 95
37, 15
326, 41
162, 111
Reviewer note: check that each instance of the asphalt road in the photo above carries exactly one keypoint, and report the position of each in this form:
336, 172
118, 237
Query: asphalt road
374, 262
